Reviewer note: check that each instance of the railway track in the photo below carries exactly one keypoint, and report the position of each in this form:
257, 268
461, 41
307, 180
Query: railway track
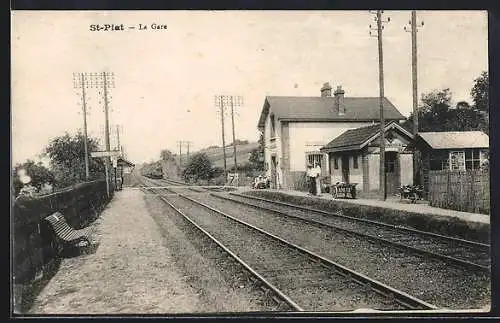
470, 254
298, 277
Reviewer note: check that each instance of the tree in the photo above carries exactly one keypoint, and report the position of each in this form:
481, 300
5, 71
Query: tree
256, 159
436, 114
67, 159
166, 154
199, 167
480, 92
38, 173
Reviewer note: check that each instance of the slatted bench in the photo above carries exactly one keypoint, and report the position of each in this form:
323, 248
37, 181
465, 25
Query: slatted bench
66, 235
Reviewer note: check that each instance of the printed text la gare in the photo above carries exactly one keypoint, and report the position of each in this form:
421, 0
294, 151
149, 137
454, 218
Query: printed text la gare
122, 27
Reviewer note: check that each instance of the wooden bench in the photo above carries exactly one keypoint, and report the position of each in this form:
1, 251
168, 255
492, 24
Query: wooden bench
67, 236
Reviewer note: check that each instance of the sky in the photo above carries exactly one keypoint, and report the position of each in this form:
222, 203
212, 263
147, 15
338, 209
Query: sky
166, 79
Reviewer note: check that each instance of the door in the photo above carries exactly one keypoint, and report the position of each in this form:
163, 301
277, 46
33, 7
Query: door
392, 172
345, 169
273, 172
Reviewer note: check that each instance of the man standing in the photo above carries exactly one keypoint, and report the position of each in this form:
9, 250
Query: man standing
311, 180
317, 173
278, 176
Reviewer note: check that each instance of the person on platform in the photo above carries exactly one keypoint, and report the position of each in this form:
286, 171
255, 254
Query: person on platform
311, 181
278, 176
317, 177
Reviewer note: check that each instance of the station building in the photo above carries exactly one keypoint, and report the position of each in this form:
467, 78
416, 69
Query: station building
295, 128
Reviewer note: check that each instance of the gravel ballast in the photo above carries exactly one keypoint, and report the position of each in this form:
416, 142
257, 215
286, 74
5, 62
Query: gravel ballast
309, 284
452, 248
220, 282
430, 280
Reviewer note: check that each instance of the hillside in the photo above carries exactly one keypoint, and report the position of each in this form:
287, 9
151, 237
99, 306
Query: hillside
216, 155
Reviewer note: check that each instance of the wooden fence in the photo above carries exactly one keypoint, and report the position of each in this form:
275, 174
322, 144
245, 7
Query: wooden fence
461, 190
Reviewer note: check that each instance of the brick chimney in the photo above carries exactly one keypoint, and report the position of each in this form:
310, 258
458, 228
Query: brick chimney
326, 90
339, 100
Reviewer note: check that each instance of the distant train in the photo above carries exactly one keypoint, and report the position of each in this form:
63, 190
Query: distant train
154, 173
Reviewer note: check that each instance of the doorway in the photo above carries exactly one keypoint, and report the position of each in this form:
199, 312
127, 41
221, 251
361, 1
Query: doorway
392, 177
345, 168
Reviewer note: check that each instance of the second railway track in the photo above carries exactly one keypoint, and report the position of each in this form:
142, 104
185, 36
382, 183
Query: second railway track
473, 255
307, 280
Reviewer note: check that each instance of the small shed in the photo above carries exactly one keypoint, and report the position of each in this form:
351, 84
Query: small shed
123, 170
451, 150
354, 157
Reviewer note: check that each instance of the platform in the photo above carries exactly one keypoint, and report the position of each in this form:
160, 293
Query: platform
421, 207
131, 271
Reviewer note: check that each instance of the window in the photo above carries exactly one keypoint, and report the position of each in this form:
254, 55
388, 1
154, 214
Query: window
457, 160
336, 162
273, 126
355, 161
473, 159
314, 159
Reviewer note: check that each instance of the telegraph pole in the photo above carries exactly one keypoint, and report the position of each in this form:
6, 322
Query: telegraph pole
219, 102
233, 103
180, 153
118, 146
104, 79
414, 69
234, 136
81, 83
106, 127
380, 27
413, 30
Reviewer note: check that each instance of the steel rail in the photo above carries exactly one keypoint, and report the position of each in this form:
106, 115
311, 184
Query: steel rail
364, 235
400, 297
432, 234
280, 294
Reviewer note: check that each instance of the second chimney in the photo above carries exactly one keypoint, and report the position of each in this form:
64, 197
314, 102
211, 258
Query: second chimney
339, 100
326, 90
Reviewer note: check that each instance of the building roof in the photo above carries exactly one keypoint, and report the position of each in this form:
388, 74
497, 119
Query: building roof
455, 139
124, 163
355, 139
293, 108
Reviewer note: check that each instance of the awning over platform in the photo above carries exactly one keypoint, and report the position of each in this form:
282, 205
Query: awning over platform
124, 163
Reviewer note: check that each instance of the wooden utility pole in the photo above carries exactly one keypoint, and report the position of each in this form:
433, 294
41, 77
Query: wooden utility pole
414, 69
219, 102
118, 146
106, 128
382, 178
413, 30
180, 153
81, 82
234, 135
235, 102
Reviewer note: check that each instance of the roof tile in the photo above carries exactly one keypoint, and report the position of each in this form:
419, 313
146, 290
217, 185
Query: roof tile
323, 108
